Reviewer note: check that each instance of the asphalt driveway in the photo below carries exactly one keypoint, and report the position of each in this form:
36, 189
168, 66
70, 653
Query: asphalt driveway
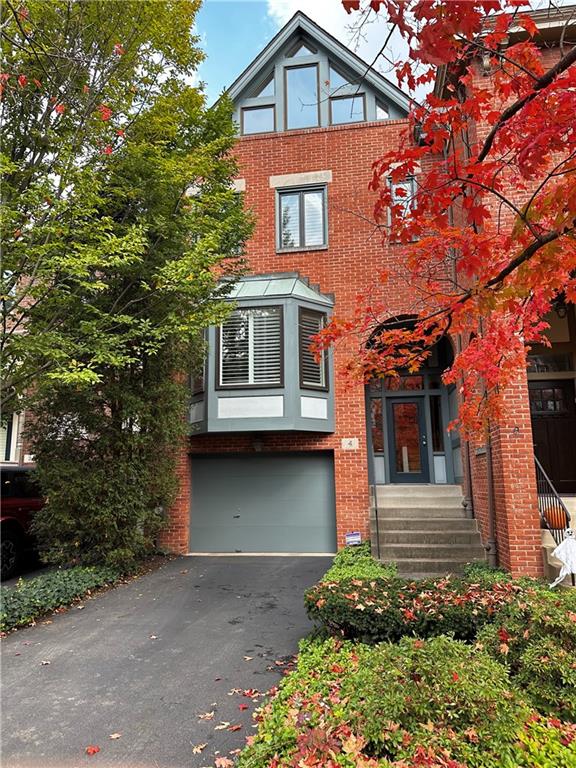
142, 662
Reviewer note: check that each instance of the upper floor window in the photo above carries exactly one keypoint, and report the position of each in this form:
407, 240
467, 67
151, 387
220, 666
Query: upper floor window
404, 195
313, 372
347, 109
302, 218
301, 102
258, 119
250, 348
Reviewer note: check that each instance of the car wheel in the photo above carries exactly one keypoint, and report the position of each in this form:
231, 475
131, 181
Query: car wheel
10, 554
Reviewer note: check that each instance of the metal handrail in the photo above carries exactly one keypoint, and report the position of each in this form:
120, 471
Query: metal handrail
550, 504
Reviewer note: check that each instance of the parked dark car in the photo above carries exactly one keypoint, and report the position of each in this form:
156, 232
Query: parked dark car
20, 499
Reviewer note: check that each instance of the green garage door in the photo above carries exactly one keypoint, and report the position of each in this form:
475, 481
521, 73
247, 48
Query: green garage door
282, 503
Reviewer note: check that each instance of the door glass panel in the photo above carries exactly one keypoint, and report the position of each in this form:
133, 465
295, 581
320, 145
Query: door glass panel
376, 425
436, 419
407, 437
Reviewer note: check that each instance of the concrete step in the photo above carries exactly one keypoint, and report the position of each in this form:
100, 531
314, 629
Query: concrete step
460, 538
421, 524
426, 491
422, 552
421, 513
391, 502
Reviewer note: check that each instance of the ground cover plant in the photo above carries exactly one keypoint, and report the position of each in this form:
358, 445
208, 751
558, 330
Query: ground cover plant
438, 702
31, 598
476, 672
377, 609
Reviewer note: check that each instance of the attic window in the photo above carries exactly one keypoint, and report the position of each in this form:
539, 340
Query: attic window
347, 109
382, 112
266, 89
301, 50
336, 79
302, 106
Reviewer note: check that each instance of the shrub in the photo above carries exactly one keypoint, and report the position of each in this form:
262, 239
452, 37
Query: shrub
373, 610
25, 602
357, 562
545, 744
535, 639
433, 703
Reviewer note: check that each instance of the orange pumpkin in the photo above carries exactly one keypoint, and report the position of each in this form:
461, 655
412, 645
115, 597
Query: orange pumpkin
556, 518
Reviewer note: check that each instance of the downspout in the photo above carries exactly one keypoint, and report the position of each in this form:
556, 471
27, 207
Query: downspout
491, 545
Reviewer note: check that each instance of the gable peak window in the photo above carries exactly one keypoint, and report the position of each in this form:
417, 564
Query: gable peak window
382, 112
267, 88
301, 50
313, 372
250, 348
302, 218
301, 96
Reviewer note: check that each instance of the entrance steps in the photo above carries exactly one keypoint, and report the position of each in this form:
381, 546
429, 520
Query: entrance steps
424, 530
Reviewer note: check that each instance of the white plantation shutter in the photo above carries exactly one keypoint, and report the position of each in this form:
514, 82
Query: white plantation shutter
314, 217
251, 348
312, 372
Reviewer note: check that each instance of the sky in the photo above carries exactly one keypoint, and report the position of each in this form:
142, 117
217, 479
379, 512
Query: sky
233, 32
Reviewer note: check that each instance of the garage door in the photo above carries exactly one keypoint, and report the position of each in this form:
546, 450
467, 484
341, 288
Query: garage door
282, 503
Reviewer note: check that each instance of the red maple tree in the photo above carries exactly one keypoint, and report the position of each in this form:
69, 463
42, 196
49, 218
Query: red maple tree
489, 232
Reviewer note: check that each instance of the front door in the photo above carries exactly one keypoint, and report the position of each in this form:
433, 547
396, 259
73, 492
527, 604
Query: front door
553, 411
408, 440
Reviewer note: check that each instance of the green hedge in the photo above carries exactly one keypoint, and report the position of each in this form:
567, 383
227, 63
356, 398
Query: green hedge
535, 638
378, 609
437, 703
32, 598
357, 562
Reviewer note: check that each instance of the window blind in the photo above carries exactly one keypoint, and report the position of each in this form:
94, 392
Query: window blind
312, 372
251, 348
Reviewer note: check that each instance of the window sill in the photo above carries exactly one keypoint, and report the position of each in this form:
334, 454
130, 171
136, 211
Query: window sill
301, 249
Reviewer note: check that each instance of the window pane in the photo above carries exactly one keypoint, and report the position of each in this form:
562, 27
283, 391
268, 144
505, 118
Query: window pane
302, 50
349, 109
258, 119
314, 218
267, 346
290, 220
312, 372
267, 88
235, 348
376, 425
381, 111
436, 419
336, 79
251, 347
403, 195
302, 97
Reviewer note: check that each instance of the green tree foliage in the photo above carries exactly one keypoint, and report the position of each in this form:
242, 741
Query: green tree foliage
119, 219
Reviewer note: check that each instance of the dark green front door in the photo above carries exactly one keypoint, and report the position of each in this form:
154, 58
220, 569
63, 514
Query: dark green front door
408, 440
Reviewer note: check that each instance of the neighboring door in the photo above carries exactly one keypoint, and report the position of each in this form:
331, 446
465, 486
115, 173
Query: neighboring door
407, 440
553, 412
263, 503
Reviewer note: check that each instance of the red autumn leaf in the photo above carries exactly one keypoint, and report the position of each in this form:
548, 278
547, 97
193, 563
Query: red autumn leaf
119, 49
236, 727
92, 749
60, 108
242, 706
22, 81
455, 677
105, 112
351, 5
107, 150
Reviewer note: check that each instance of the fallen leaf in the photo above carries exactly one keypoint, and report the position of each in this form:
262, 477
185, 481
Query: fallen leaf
92, 749
115, 735
216, 679
234, 751
184, 571
222, 727
44, 662
206, 716
248, 658
233, 691
197, 748
79, 607
242, 706
153, 637
234, 728
223, 762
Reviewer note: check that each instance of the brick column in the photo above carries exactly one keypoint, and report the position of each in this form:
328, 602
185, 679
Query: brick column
175, 535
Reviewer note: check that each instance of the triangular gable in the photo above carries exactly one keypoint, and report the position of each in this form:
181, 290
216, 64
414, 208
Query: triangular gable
301, 28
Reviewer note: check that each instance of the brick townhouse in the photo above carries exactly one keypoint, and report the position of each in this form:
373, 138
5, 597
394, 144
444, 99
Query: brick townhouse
287, 455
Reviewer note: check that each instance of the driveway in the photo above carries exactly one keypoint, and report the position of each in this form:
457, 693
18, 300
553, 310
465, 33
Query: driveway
145, 660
